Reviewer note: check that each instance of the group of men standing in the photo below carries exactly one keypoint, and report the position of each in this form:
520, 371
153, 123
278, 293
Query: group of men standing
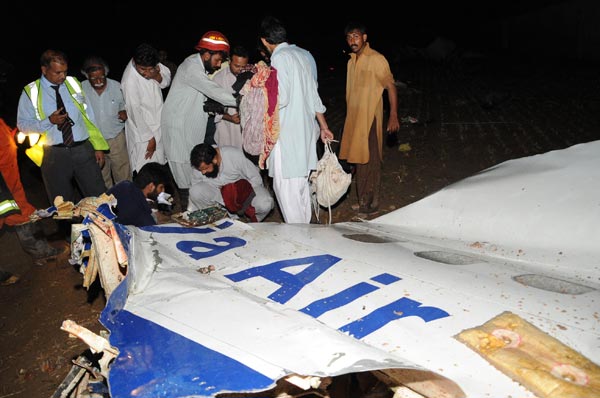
172, 130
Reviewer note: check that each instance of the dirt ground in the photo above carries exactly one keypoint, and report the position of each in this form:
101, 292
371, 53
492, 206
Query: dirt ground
469, 116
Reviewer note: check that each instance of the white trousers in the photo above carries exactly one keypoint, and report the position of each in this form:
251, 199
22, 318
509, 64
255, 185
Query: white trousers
182, 174
293, 194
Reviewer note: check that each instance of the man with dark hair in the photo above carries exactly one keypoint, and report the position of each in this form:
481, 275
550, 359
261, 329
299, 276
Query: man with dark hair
368, 76
295, 152
227, 125
71, 146
184, 119
132, 197
142, 84
226, 176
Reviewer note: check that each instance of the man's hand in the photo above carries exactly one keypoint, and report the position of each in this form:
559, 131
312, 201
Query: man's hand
154, 73
100, 158
235, 118
58, 117
393, 124
151, 148
326, 135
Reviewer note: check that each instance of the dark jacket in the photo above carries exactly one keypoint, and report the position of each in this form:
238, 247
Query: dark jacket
132, 206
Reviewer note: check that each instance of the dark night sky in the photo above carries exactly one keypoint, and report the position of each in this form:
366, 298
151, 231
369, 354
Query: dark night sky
113, 28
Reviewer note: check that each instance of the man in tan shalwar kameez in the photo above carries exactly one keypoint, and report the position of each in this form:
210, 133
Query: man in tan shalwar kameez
362, 140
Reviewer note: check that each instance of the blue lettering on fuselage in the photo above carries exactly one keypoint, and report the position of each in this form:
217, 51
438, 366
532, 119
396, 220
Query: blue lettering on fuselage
382, 316
190, 246
186, 230
290, 283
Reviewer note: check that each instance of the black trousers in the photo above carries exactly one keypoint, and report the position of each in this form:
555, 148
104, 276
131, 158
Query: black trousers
64, 166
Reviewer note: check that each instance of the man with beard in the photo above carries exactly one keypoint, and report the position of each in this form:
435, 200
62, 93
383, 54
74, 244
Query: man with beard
132, 197
224, 175
184, 120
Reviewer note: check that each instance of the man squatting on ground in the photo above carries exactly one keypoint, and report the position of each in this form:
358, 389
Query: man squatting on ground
218, 168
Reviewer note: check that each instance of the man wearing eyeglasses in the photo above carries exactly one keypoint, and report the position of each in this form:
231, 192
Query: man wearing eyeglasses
107, 100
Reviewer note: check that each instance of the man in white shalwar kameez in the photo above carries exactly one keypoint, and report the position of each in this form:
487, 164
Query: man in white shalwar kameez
228, 129
142, 83
295, 153
215, 167
183, 117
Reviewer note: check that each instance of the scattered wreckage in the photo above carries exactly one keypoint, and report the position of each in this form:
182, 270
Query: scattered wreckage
487, 288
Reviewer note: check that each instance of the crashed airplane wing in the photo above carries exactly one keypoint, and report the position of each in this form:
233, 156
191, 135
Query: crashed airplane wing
487, 288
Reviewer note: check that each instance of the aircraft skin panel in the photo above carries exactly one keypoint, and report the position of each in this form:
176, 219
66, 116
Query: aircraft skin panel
265, 300
155, 362
269, 303
544, 207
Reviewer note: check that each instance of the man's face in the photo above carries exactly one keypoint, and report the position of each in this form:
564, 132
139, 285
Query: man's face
212, 62
158, 189
210, 170
147, 71
356, 40
237, 63
97, 79
56, 73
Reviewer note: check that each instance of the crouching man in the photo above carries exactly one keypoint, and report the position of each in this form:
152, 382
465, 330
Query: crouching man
224, 175
133, 207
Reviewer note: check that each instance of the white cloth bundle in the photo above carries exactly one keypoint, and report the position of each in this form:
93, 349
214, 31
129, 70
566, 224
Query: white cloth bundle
329, 182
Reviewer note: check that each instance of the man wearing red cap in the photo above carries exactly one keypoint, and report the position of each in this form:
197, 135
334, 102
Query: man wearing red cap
184, 121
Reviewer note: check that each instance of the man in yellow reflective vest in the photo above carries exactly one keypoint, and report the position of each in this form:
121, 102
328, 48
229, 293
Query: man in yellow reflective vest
38, 112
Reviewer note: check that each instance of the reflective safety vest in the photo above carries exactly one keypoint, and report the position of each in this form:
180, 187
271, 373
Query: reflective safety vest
8, 204
36, 152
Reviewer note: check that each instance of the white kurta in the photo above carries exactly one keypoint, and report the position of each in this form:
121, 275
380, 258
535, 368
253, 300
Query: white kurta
227, 133
295, 153
143, 102
183, 116
299, 103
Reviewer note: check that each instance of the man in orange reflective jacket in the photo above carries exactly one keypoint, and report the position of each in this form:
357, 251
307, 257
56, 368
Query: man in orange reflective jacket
15, 210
